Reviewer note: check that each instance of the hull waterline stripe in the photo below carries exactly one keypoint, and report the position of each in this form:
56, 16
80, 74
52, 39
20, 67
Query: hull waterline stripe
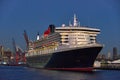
72, 69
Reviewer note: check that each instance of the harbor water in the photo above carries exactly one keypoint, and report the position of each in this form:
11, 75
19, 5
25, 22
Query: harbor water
25, 73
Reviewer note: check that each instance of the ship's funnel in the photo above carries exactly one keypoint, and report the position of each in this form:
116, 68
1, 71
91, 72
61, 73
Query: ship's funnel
52, 28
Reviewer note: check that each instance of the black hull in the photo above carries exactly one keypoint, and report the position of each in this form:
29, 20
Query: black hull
79, 59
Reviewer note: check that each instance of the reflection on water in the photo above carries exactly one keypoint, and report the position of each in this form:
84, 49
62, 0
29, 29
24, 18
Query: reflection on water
65, 75
23, 73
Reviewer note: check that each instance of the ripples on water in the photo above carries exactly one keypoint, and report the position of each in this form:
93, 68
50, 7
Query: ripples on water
24, 73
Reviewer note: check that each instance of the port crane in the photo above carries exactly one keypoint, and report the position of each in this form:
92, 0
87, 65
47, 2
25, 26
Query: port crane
19, 54
26, 39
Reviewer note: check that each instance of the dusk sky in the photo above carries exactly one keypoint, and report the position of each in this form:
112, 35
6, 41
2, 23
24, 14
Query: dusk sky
35, 16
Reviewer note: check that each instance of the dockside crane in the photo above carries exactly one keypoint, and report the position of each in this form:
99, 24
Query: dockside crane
26, 39
1, 53
15, 51
14, 45
19, 54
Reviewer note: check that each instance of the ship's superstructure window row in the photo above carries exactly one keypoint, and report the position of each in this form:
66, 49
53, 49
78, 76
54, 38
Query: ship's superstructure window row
74, 38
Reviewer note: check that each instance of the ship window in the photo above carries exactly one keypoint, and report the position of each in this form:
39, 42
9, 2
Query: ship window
65, 41
66, 38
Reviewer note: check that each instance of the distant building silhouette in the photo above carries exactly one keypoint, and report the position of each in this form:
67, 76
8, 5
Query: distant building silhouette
114, 53
109, 56
101, 57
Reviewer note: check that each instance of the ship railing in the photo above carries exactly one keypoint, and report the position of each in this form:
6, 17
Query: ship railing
66, 47
61, 48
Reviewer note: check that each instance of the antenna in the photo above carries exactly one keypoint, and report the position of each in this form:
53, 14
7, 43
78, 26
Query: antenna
70, 23
75, 22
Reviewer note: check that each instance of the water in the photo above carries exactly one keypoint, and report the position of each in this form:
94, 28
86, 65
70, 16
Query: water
24, 73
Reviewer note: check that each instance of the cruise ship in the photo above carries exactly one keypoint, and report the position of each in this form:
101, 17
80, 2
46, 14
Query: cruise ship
70, 48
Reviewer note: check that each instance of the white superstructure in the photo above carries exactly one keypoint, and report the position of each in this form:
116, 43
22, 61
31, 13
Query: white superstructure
76, 34
64, 38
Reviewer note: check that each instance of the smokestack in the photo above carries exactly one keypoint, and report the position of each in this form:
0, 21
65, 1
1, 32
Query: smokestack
52, 28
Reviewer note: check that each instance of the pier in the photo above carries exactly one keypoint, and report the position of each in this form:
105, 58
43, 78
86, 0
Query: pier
109, 65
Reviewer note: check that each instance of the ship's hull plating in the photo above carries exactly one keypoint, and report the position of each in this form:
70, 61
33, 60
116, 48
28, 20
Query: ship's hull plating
79, 59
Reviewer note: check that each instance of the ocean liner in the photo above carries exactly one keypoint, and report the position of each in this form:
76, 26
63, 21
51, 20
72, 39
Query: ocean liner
72, 48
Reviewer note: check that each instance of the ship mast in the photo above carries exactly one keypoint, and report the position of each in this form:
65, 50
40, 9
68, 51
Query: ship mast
75, 22
38, 36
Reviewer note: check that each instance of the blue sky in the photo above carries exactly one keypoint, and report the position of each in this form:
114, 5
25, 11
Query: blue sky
35, 16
